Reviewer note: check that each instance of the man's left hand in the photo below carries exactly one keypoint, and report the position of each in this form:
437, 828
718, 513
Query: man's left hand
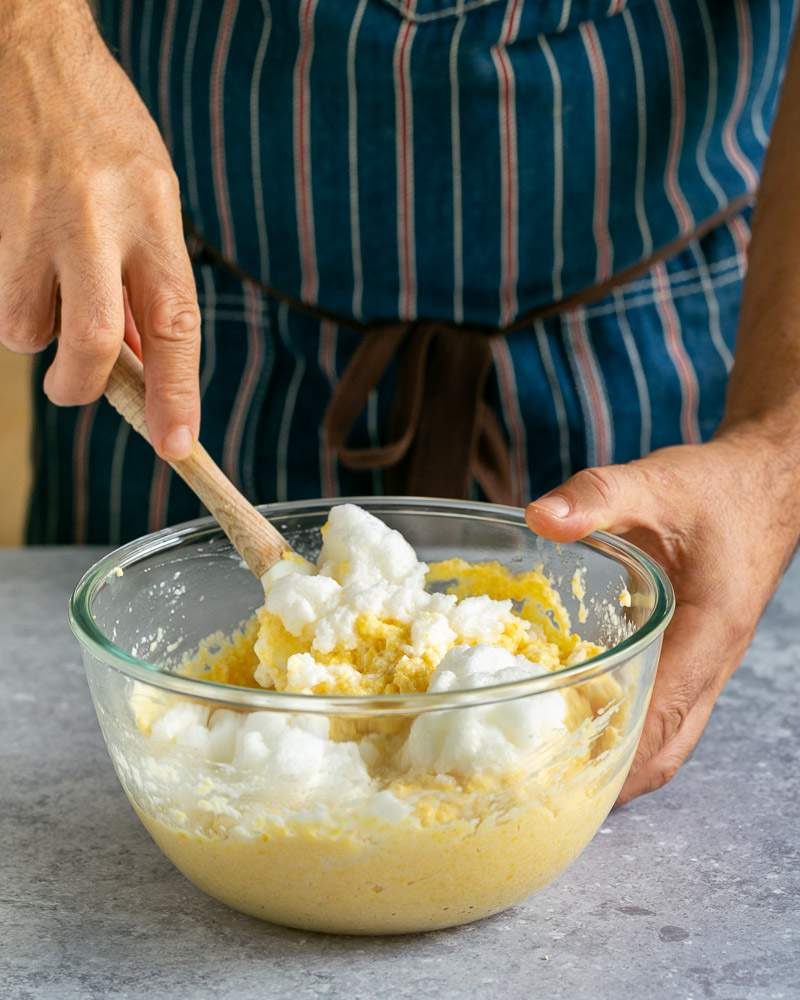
723, 520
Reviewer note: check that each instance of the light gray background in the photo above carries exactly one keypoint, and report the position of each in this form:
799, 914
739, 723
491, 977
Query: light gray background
693, 892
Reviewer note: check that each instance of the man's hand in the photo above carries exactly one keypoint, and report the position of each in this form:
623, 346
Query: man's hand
722, 518
89, 202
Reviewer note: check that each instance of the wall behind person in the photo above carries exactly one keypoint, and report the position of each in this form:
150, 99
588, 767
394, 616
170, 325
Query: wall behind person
15, 424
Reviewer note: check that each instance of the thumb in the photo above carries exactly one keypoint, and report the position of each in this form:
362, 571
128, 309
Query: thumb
609, 498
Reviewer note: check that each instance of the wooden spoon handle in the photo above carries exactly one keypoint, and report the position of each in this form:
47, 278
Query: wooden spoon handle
254, 538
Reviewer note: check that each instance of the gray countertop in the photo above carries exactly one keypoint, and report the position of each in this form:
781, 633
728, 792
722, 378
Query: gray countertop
693, 892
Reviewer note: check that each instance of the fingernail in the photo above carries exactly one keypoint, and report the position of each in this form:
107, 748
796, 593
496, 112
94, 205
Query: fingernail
178, 443
553, 504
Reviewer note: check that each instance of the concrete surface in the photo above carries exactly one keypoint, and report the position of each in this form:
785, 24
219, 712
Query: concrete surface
693, 892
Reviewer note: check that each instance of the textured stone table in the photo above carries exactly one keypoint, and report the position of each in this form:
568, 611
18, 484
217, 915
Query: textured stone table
690, 893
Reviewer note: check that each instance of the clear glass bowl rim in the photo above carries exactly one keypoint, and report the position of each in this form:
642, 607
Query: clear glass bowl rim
206, 529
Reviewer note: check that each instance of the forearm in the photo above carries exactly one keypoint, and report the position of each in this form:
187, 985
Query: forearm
764, 391
17, 17
44, 45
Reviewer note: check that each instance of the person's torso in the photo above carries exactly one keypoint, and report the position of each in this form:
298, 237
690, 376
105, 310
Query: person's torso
467, 160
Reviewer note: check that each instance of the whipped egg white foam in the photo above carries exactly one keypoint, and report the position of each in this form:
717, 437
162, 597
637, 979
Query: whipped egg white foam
367, 570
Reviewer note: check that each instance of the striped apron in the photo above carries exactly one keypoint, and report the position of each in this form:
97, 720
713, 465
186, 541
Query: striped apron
448, 247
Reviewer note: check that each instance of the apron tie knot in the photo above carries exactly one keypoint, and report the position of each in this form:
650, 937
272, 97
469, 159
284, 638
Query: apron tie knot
444, 435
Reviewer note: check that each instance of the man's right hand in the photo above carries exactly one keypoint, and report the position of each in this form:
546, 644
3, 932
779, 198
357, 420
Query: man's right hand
89, 202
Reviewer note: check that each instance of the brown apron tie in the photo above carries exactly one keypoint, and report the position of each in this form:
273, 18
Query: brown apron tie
444, 434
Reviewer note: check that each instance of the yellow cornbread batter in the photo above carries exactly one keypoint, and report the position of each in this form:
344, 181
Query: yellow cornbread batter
398, 878
420, 847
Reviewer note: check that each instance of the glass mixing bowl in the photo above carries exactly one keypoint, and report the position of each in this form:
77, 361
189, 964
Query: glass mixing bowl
302, 825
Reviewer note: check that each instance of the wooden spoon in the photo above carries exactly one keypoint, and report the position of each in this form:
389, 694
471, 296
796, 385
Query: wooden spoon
259, 543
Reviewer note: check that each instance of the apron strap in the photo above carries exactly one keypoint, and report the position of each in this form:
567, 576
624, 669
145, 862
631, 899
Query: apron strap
491, 463
444, 434
378, 347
